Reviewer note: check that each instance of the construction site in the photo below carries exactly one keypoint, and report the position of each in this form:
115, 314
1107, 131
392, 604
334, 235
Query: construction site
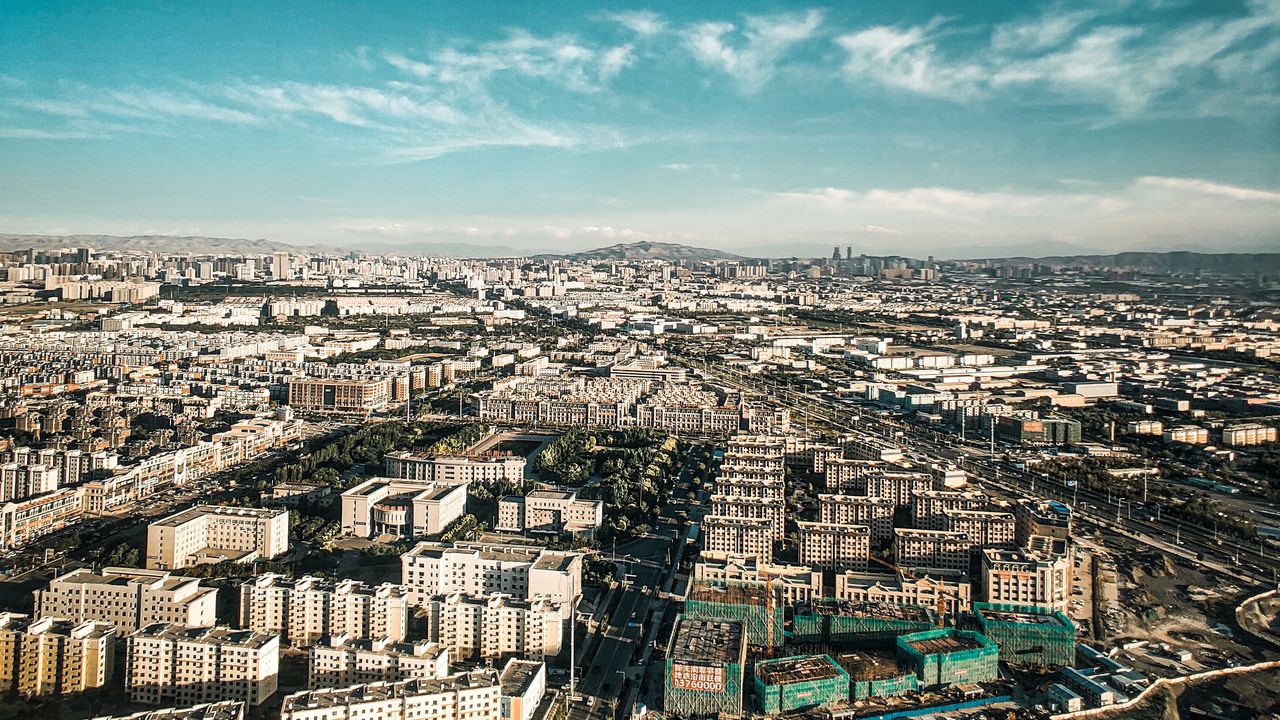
843, 623
948, 657
706, 661
876, 675
1028, 635
799, 682
757, 605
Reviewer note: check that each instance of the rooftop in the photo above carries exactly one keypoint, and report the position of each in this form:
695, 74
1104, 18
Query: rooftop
199, 511
706, 640
375, 692
877, 610
798, 669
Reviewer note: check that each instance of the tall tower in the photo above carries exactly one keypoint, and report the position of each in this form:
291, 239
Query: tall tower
835, 254
848, 252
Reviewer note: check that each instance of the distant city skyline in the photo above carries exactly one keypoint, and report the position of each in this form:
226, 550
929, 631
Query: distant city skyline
765, 129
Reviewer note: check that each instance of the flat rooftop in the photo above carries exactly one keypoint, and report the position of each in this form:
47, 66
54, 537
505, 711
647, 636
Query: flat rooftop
718, 641
877, 610
1022, 617
945, 644
869, 666
798, 669
518, 675
377, 692
198, 511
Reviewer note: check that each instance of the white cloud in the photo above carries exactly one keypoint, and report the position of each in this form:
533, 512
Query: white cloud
1080, 55
151, 104
1206, 187
39, 134
750, 55
641, 22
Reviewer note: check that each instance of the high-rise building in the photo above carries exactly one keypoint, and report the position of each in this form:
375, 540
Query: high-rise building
54, 656
170, 664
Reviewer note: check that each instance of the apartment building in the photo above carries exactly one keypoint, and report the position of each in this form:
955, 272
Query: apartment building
1189, 434
931, 550
764, 486
495, 626
848, 477
1040, 577
128, 598
984, 528
551, 511
773, 509
343, 661
929, 508
1041, 519
476, 695
454, 469
225, 710
481, 569
949, 596
54, 656
401, 507
832, 546
306, 609
1248, 435
213, 533
523, 684
173, 665
354, 395
738, 536
875, 513
900, 487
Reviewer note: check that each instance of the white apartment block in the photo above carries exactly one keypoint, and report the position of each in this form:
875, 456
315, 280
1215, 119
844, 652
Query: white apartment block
848, 477
949, 596
985, 528
523, 684
173, 665
549, 511
306, 609
476, 695
481, 569
401, 507
496, 626
455, 469
931, 550
54, 656
831, 546
875, 513
928, 509
762, 487
900, 487
766, 508
128, 598
1040, 578
344, 661
738, 536
1248, 434
212, 533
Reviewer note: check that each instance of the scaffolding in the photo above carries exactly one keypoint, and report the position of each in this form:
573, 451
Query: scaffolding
1027, 634
942, 658
799, 682
704, 668
858, 624
759, 606
874, 675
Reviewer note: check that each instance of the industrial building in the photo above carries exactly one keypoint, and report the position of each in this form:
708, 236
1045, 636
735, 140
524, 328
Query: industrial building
1027, 634
798, 683
705, 664
854, 624
946, 657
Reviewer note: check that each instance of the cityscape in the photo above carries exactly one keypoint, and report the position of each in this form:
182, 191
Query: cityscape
611, 364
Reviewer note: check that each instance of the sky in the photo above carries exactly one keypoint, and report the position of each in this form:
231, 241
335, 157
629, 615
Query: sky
954, 129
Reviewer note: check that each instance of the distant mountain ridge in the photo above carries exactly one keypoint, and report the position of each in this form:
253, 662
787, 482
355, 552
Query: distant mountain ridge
193, 244
653, 251
1174, 261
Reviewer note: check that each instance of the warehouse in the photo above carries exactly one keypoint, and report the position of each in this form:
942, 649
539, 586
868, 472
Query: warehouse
799, 682
942, 658
1028, 635
705, 663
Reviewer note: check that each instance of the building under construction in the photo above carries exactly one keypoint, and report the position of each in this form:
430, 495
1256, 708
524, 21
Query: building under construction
798, 683
942, 658
757, 605
1028, 635
705, 664
874, 675
858, 624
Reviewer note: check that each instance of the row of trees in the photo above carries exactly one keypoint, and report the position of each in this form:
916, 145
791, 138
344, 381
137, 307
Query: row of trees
326, 459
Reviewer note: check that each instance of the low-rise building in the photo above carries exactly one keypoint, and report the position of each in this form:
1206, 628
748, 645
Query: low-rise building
553, 511
401, 507
944, 595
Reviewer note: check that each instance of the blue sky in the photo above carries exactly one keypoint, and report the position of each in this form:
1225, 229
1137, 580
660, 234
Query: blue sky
953, 129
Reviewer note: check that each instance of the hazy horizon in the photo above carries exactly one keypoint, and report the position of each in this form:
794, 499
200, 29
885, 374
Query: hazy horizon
767, 129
